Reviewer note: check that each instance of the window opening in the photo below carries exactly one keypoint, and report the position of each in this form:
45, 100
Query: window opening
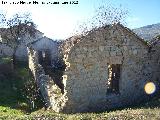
113, 78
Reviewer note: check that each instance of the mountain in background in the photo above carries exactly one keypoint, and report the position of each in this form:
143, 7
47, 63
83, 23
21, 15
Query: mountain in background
148, 32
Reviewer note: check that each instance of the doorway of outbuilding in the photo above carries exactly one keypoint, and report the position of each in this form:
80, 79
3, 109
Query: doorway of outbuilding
44, 57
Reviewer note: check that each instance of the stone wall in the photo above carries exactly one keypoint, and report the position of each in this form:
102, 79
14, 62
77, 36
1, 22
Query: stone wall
155, 61
50, 91
87, 63
47, 44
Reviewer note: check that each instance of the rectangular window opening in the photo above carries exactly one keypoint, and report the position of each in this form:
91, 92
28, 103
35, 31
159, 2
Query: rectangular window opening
44, 57
113, 78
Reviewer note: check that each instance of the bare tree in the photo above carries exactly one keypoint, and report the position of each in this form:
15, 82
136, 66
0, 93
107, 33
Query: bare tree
15, 29
104, 15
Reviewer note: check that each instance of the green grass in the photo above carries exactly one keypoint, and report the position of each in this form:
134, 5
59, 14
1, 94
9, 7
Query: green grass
14, 106
10, 113
11, 90
125, 114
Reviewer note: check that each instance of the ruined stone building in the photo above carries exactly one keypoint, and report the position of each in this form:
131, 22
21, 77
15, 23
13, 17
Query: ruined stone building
46, 47
107, 68
21, 52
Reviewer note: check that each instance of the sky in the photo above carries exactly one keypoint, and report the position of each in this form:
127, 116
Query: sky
60, 21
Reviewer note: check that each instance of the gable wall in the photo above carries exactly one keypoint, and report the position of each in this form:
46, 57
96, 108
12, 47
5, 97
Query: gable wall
47, 44
86, 76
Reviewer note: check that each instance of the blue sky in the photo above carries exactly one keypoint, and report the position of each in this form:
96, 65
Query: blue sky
60, 21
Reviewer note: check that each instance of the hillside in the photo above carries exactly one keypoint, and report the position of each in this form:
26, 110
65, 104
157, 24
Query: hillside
148, 32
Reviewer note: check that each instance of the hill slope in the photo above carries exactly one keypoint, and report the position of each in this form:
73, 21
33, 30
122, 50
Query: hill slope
148, 32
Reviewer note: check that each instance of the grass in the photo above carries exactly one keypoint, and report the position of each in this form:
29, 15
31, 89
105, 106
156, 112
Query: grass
11, 86
7, 113
125, 114
14, 106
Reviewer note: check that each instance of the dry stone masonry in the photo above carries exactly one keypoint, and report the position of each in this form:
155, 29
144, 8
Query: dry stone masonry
50, 91
107, 68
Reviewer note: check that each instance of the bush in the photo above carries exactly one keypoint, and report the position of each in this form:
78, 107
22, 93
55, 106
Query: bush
32, 94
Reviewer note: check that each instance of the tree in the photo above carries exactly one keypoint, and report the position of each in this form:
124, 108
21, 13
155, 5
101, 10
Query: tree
104, 15
15, 29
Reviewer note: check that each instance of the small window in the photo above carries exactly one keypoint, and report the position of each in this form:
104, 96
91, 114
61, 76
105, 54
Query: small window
113, 78
44, 57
